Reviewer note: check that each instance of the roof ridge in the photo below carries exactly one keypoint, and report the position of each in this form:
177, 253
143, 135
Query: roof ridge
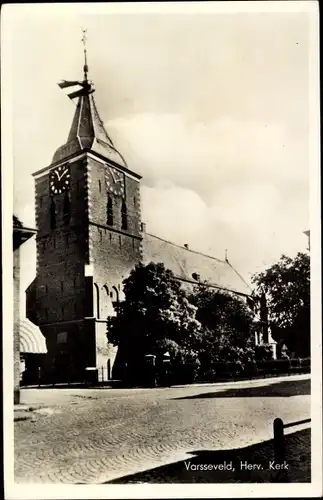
189, 249
240, 276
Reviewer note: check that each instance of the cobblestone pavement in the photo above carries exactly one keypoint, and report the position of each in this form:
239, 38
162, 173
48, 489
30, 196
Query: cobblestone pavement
96, 435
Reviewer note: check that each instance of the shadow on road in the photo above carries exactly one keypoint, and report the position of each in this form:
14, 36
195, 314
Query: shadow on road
298, 458
278, 389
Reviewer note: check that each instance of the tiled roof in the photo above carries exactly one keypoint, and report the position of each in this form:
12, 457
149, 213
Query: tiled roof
191, 266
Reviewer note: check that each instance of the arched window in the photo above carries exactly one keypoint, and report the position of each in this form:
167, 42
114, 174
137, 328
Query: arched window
52, 214
110, 211
124, 216
96, 301
67, 208
114, 296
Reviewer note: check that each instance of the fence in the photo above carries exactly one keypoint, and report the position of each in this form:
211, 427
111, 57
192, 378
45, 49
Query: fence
253, 369
189, 373
279, 443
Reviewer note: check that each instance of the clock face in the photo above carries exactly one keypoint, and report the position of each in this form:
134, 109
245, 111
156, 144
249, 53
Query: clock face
59, 179
115, 181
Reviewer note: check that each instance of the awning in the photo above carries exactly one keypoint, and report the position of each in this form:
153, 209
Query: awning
32, 341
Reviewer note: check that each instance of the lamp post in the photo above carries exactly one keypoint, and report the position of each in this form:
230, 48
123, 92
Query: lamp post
166, 368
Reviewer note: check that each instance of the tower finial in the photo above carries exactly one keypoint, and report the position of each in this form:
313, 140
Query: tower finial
85, 67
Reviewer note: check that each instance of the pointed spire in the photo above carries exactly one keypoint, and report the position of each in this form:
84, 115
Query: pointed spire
87, 131
85, 67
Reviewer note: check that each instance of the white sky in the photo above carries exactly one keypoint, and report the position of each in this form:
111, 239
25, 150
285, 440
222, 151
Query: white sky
211, 109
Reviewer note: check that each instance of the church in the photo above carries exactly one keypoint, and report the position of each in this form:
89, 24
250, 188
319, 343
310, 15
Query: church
89, 237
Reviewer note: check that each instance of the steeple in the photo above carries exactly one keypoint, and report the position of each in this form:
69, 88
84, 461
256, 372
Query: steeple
87, 131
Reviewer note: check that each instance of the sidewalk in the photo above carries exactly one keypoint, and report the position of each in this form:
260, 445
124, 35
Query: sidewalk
116, 384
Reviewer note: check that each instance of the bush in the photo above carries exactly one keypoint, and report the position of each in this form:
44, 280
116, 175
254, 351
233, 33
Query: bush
263, 352
251, 368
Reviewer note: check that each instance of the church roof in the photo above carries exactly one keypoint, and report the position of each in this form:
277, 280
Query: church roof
193, 267
88, 133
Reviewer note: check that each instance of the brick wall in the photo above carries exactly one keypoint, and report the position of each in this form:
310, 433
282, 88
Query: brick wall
66, 300
113, 251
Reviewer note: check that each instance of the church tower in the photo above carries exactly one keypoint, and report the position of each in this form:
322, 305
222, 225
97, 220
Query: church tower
88, 240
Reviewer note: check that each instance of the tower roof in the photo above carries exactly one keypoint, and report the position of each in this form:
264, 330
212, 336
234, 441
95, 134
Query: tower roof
87, 131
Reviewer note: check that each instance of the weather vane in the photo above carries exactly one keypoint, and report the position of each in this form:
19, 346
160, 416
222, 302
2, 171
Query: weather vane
86, 86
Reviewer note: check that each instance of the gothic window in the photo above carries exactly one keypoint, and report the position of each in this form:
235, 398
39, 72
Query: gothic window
110, 211
124, 216
115, 296
67, 208
99, 186
52, 214
96, 300
106, 299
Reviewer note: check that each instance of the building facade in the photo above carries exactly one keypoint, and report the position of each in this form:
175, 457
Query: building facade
89, 237
20, 235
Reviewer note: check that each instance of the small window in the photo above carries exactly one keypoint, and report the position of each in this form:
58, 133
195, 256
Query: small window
63, 311
110, 236
99, 186
62, 286
67, 239
124, 216
62, 338
120, 240
110, 211
46, 313
134, 201
54, 242
41, 201
67, 208
52, 215
46, 288
74, 283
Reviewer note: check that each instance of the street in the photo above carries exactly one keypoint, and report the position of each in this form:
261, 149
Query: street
98, 435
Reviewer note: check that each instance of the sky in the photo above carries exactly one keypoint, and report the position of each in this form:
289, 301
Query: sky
212, 109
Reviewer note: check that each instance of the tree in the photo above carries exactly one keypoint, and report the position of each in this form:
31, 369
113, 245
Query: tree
287, 288
155, 314
227, 325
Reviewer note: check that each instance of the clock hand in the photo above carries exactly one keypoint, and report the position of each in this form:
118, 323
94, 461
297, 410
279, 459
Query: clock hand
62, 175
